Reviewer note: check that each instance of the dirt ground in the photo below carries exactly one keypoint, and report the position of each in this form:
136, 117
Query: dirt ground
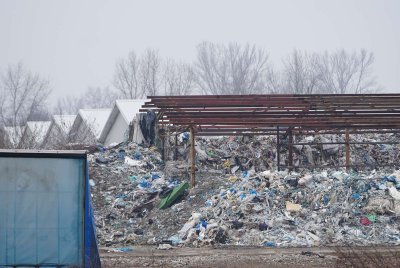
253, 257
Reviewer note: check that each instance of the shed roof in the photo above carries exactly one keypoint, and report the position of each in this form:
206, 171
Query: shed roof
235, 114
38, 128
95, 118
64, 122
127, 108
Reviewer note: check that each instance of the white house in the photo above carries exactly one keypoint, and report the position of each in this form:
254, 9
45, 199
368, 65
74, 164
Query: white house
116, 129
34, 134
88, 125
57, 134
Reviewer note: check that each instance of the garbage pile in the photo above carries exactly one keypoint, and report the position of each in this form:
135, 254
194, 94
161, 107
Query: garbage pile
240, 198
299, 209
129, 183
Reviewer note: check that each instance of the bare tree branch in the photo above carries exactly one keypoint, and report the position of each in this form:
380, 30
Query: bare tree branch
301, 73
126, 77
179, 78
23, 95
231, 69
150, 72
343, 72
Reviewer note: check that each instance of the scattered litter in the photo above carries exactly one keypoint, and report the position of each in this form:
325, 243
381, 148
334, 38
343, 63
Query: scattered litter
164, 246
240, 198
292, 207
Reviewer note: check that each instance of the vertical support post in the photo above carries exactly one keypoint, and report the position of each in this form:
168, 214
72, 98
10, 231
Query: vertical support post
278, 149
163, 147
192, 158
131, 130
347, 139
176, 147
290, 144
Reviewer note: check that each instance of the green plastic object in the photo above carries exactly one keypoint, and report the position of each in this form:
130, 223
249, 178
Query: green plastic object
371, 217
172, 196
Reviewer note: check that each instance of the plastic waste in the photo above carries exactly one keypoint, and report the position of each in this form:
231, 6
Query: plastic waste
270, 244
137, 156
394, 193
291, 207
121, 154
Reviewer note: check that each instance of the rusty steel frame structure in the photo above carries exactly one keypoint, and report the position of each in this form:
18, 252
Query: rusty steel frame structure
279, 114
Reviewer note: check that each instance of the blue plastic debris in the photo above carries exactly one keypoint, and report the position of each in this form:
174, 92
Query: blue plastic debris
121, 154
144, 184
270, 244
155, 176
203, 223
326, 200
251, 191
137, 156
185, 136
356, 196
124, 249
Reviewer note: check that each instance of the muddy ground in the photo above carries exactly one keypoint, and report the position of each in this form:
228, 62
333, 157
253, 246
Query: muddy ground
253, 257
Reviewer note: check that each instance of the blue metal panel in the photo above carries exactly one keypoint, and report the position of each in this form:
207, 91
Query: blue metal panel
46, 216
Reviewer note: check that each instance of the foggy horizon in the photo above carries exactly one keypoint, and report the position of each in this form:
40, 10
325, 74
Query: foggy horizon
76, 45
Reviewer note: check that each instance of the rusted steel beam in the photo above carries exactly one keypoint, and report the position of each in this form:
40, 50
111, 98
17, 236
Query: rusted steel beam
232, 114
192, 158
278, 148
290, 145
241, 132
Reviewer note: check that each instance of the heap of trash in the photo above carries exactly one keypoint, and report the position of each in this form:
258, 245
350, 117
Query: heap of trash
240, 198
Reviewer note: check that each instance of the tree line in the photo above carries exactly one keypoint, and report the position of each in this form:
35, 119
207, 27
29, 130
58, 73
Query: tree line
218, 69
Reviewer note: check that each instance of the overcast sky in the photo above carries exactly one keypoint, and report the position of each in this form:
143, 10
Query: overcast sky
75, 44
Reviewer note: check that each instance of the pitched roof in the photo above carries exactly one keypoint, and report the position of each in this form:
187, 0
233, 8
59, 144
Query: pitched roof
128, 109
39, 128
64, 121
96, 118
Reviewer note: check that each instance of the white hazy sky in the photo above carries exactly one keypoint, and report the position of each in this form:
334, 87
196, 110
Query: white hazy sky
75, 44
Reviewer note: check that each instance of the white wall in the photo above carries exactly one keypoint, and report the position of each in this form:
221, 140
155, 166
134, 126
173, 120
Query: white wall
118, 132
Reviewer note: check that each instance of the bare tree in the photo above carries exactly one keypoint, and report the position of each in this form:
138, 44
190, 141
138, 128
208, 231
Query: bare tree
231, 69
342, 72
150, 72
23, 95
127, 77
97, 97
93, 97
34, 134
179, 78
68, 105
273, 81
301, 73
